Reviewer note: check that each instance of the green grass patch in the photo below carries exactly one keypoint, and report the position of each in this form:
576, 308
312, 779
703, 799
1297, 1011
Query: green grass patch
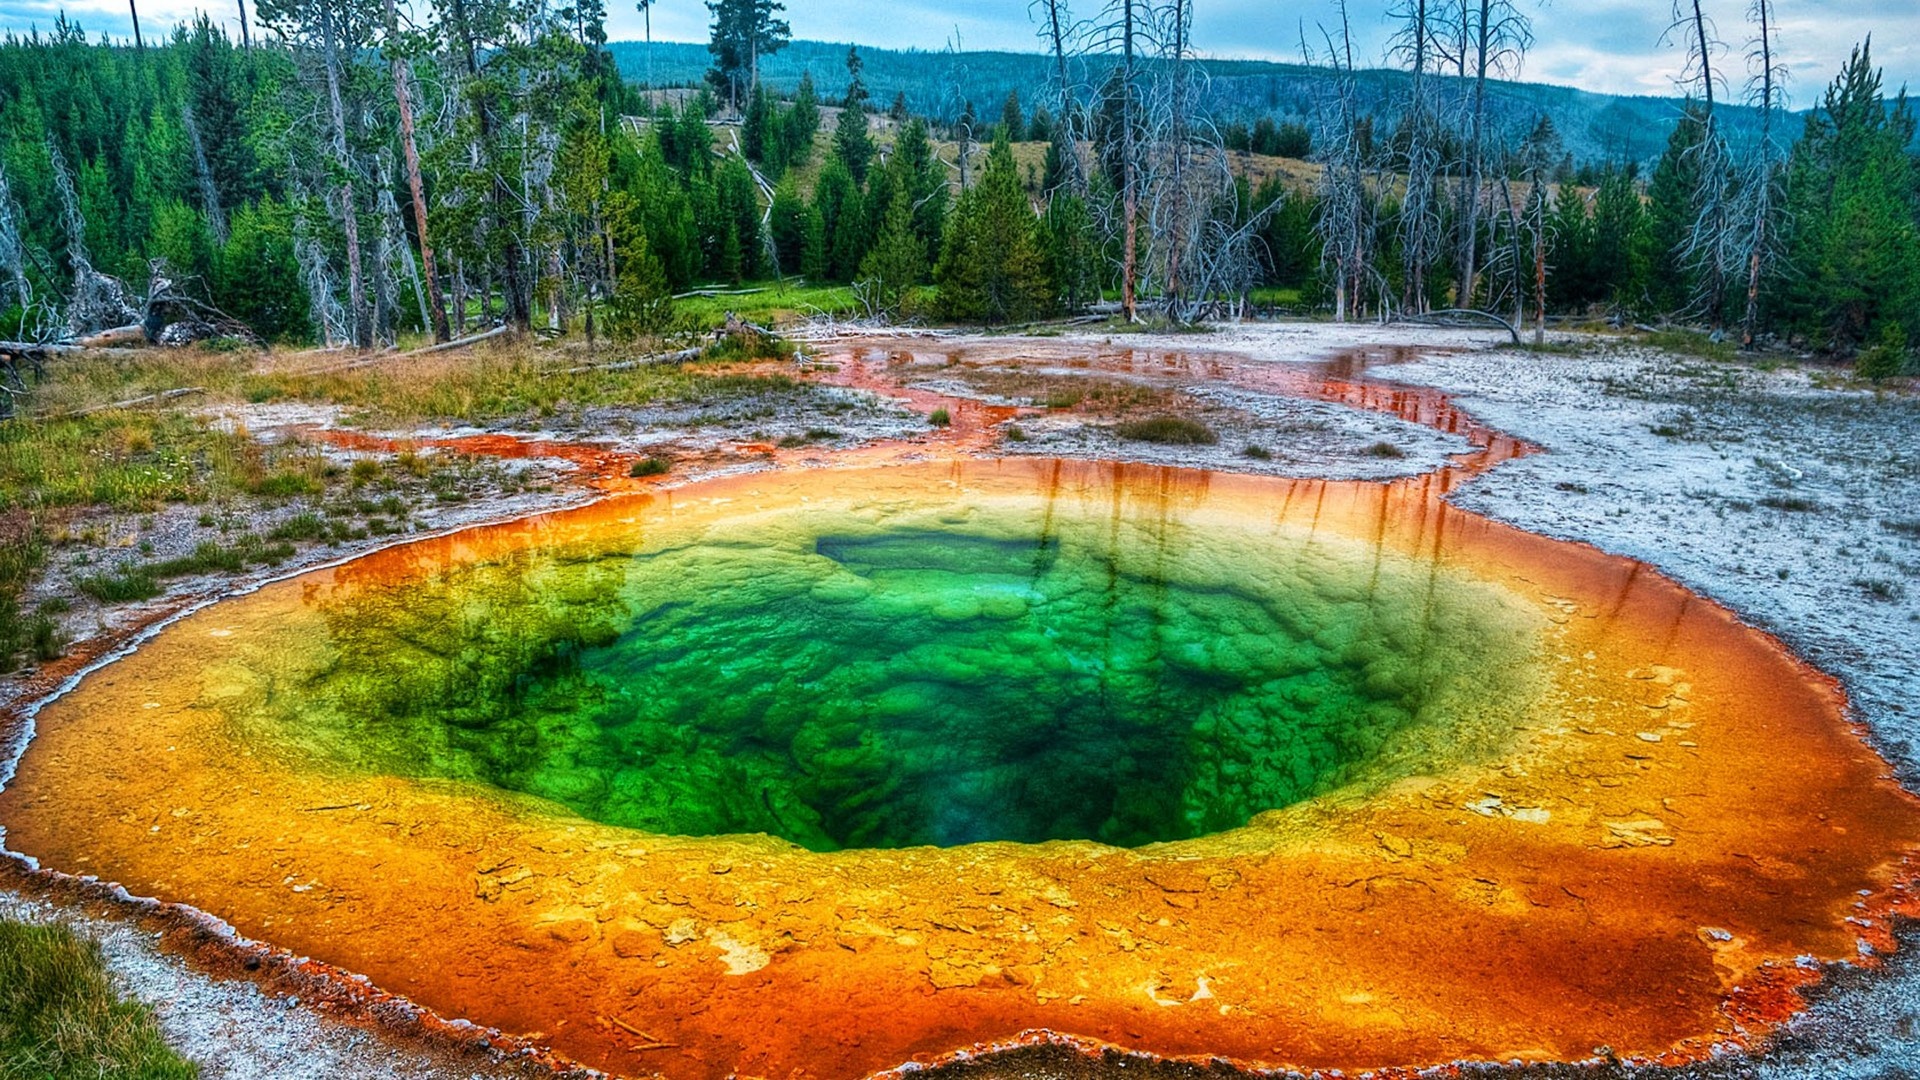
650, 466
1693, 343
143, 581
940, 417
61, 1020
302, 526
775, 303
121, 586
1169, 430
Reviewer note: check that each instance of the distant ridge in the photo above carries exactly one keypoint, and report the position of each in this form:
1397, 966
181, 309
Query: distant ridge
1595, 127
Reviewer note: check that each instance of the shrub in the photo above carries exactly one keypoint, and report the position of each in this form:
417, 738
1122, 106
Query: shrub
1384, 450
651, 466
1886, 359
939, 417
1170, 430
121, 586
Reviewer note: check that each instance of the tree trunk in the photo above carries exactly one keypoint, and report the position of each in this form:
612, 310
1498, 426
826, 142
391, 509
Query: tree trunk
519, 308
349, 214
134, 8
246, 37
1763, 199
1470, 227
403, 96
1075, 180
1130, 201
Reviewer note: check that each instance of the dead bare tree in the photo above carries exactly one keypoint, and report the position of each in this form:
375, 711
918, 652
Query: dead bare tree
203, 176
1493, 38
1057, 29
1538, 156
1176, 212
1760, 186
1345, 223
1420, 222
1707, 247
1121, 28
410, 153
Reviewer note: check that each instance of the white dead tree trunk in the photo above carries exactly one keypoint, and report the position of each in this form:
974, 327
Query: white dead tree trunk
1057, 28
203, 177
343, 161
1760, 187
1345, 224
1706, 247
1129, 167
410, 153
1420, 222
1494, 35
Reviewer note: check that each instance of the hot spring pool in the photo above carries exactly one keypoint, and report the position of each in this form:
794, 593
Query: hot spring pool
811, 773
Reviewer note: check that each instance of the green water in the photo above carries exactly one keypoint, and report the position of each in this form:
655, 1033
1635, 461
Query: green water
903, 677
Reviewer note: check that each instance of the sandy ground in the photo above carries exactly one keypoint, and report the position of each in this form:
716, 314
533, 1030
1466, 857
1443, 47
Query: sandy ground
1795, 504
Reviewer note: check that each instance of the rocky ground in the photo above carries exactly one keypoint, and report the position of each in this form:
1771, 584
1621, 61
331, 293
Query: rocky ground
1779, 489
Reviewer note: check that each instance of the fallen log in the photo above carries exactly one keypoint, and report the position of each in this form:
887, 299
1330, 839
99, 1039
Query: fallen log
680, 357
1441, 318
131, 334
461, 343
381, 358
144, 399
30, 348
710, 293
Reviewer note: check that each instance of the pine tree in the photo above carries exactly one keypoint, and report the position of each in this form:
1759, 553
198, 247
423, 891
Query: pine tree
800, 123
257, 277
837, 201
744, 33
851, 142
991, 265
1617, 260
898, 260
787, 220
642, 301
1072, 254
1012, 120
1670, 207
1851, 194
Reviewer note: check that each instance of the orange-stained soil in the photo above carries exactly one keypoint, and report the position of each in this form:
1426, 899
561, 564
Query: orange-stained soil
1686, 814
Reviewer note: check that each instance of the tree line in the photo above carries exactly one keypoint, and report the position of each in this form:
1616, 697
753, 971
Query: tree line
352, 171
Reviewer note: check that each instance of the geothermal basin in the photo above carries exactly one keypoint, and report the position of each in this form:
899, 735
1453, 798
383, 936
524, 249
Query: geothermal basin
814, 773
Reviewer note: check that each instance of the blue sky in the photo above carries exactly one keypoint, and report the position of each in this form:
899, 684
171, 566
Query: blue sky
1610, 45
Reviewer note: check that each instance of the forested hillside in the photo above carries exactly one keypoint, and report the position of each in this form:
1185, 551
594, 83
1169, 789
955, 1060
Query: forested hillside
1595, 127
359, 176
